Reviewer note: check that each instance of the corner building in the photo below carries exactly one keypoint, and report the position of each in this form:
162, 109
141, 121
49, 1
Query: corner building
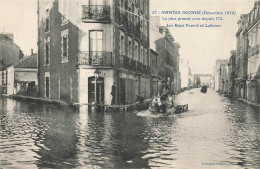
86, 46
253, 69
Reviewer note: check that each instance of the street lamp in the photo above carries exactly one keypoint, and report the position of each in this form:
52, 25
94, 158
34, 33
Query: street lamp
96, 74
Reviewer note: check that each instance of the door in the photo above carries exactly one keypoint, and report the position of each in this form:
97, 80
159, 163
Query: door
97, 85
122, 91
100, 91
47, 87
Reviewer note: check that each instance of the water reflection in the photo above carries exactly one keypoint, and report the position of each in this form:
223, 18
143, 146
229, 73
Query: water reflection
41, 135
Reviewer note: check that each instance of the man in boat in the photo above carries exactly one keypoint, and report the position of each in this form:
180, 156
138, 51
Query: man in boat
170, 101
154, 107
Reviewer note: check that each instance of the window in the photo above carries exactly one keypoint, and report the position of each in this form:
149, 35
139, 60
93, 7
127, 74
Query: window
145, 27
123, 4
258, 35
136, 21
64, 46
141, 25
136, 52
254, 37
71, 89
96, 40
47, 51
47, 84
249, 40
64, 11
145, 57
129, 14
141, 55
130, 48
47, 20
3, 77
95, 47
122, 45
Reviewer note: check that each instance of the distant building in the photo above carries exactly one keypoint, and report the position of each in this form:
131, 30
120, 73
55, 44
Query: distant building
253, 71
22, 76
190, 79
224, 84
232, 70
9, 53
162, 40
241, 58
216, 75
202, 80
155, 78
185, 75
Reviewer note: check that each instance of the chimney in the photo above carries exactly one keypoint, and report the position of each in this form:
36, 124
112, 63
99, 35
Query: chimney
31, 51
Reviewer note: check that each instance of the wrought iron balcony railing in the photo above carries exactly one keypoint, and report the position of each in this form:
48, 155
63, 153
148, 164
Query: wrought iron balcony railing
124, 62
100, 13
128, 63
123, 20
139, 67
137, 30
130, 27
101, 58
133, 65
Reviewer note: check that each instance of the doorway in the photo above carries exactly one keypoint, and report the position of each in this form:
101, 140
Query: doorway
47, 87
98, 85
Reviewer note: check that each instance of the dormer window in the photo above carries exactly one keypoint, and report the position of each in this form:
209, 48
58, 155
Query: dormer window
64, 10
47, 20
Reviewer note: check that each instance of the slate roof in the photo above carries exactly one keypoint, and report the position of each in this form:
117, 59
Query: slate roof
28, 62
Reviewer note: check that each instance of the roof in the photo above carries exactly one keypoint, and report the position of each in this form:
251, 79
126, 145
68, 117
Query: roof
29, 62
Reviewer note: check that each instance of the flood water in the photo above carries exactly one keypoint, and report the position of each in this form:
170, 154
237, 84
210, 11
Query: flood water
216, 132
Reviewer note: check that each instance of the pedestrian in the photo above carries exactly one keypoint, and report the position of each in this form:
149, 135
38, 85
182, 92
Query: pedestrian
113, 93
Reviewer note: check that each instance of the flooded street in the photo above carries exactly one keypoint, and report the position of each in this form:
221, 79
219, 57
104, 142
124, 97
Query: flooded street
215, 131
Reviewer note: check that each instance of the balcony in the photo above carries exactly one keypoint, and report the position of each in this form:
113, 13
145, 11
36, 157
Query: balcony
127, 63
124, 62
133, 65
139, 67
146, 70
123, 21
130, 27
95, 13
144, 39
137, 32
154, 72
95, 58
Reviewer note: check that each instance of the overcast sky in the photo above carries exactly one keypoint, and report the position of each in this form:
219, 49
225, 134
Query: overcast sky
201, 46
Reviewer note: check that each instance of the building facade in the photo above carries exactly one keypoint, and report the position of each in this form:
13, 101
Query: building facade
224, 85
9, 53
163, 43
22, 77
241, 58
155, 78
184, 69
232, 71
216, 75
87, 47
252, 51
